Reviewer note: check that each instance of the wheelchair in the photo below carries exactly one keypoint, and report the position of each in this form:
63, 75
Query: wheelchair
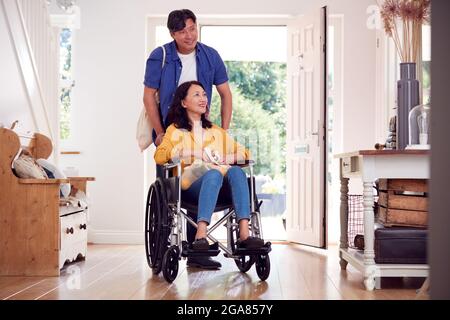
165, 227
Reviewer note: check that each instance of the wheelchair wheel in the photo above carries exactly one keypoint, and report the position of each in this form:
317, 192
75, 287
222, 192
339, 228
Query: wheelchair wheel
151, 225
170, 264
245, 263
156, 233
263, 266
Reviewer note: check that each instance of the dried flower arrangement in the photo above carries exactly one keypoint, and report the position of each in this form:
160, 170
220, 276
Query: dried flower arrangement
407, 17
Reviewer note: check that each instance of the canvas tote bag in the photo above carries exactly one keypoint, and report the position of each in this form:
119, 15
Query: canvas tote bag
144, 128
199, 167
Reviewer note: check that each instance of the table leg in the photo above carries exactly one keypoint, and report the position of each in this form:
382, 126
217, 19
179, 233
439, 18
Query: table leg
344, 220
369, 253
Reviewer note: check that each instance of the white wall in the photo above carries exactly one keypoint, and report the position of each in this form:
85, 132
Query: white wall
359, 75
109, 63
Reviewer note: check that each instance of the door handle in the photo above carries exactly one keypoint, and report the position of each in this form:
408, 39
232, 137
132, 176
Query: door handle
316, 133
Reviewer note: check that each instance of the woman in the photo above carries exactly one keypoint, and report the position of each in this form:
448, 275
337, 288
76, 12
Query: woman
193, 138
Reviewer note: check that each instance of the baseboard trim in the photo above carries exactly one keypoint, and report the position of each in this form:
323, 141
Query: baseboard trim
115, 237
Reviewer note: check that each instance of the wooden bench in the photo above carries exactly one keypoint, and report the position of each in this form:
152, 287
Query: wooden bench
37, 235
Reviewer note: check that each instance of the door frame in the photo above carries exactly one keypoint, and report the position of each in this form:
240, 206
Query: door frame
325, 130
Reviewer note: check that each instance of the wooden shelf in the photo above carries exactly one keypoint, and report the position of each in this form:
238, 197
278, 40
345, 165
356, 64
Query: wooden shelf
43, 181
75, 179
383, 153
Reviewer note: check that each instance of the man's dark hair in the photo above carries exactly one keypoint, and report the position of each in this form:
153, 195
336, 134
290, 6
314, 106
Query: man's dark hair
177, 19
178, 115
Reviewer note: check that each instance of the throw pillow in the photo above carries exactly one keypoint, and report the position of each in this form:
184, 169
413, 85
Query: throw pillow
58, 174
27, 168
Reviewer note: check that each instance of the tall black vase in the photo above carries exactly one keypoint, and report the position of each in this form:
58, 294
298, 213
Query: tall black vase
407, 98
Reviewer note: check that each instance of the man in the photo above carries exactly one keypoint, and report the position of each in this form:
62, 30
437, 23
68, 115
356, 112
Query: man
185, 59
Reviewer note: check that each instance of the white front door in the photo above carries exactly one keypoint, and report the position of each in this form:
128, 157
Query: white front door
305, 130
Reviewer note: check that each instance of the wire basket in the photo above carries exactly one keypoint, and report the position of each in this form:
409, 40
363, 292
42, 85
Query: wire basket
355, 218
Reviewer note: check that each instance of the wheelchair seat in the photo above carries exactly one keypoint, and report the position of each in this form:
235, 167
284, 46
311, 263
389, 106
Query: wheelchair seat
224, 200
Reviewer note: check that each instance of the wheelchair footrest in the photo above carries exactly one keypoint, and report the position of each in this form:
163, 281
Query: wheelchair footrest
264, 250
189, 252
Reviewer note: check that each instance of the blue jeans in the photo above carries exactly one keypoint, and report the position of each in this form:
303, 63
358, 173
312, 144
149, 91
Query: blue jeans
206, 190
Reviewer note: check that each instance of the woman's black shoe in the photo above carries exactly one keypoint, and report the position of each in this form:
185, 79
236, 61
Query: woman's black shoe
250, 243
200, 244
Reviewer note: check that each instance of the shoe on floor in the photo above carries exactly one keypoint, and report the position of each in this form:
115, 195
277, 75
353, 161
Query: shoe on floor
250, 243
200, 244
203, 263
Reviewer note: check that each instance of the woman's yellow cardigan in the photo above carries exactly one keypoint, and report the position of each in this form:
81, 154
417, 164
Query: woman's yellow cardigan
215, 138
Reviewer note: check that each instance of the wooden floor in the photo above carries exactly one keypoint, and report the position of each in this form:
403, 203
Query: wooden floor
121, 272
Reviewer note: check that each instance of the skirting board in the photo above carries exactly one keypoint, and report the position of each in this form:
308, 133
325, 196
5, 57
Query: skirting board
115, 237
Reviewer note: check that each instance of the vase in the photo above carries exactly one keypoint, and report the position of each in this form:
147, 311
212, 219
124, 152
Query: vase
407, 98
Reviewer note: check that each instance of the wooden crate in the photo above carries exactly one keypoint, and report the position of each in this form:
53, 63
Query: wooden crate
408, 218
403, 202
391, 199
412, 185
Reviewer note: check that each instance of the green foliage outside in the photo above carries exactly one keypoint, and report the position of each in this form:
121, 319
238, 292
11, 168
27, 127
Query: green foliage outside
65, 74
65, 113
66, 53
259, 117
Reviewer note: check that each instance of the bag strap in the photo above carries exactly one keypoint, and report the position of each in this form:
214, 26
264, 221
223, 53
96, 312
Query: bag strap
164, 56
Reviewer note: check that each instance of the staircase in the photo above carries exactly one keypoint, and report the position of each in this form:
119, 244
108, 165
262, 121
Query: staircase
34, 43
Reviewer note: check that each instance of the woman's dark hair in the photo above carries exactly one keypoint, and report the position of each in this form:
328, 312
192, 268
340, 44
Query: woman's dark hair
177, 19
177, 113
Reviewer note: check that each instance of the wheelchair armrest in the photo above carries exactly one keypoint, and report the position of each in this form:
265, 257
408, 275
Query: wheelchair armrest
175, 163
247, 163
171, 164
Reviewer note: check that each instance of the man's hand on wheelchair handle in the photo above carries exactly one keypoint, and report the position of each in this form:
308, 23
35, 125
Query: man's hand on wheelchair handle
159, 138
